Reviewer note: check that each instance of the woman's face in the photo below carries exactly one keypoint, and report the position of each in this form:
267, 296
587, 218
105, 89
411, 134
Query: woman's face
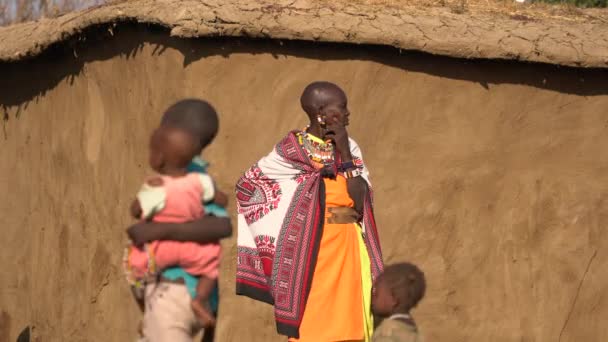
336, 112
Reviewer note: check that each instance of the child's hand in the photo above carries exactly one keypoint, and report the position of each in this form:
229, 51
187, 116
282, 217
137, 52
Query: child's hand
136, 211
220, 199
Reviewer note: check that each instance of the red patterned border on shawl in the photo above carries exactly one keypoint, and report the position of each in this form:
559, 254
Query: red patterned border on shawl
251, 280
371, 238
251, 264
297, 247
299, 239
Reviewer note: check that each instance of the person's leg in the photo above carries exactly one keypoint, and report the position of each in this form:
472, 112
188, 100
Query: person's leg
214, 302
209, 335
168, 315
200, 304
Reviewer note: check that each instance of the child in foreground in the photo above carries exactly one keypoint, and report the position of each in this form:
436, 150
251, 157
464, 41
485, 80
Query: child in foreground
397, 291
177, 196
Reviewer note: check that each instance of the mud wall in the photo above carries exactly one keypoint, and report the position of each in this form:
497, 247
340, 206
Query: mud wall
491, 176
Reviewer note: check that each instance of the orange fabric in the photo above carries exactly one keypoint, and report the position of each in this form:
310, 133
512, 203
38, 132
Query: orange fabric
334, 310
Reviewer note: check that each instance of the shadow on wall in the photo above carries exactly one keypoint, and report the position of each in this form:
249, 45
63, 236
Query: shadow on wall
5, 325
27, 80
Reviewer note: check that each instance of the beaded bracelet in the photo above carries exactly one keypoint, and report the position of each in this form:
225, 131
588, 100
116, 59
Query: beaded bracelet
352, 174
347, 165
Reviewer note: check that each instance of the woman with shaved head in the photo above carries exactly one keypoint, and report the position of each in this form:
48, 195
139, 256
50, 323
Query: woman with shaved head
307, 239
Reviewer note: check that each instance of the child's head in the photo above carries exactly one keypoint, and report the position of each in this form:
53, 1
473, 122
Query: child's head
398, 289
172, 149
195, 116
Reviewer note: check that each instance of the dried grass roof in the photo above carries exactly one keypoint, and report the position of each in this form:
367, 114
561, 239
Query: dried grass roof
459, 28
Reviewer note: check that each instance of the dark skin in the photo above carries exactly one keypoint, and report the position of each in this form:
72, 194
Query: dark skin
173, 162
171, 150
201, 118
204, 230
327, 107
384, 304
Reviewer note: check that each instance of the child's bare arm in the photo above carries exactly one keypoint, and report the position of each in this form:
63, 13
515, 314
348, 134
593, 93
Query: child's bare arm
220, 198
139, 300
211, 194
136, 209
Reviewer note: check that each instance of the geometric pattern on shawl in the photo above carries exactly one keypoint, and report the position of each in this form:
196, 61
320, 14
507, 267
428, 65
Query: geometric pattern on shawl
281, 206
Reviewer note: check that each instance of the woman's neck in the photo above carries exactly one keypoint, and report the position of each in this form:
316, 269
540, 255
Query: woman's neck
315, 130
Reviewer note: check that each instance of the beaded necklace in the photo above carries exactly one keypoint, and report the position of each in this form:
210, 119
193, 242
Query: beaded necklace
321, 153
318, 151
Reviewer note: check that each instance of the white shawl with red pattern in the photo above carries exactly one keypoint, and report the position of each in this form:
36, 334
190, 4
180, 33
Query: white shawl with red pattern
281, 206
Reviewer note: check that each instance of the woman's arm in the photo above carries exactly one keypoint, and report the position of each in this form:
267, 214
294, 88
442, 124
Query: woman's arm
204, 230
357, 189
357, 186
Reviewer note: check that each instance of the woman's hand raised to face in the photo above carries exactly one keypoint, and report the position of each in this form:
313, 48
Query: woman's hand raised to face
336, 117
336, 130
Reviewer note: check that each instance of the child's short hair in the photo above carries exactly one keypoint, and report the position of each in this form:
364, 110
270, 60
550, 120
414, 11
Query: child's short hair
195, 116
406, 283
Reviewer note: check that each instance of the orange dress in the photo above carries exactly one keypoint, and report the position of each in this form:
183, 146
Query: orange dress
334, 309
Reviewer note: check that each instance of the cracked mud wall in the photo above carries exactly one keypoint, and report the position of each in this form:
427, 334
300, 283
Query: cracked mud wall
491, 176
566, 39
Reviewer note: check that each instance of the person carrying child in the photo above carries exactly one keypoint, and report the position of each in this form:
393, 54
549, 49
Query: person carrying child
170, 272
397, 291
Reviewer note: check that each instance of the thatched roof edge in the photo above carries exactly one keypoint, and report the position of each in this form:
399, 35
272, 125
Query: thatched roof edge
433, 30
